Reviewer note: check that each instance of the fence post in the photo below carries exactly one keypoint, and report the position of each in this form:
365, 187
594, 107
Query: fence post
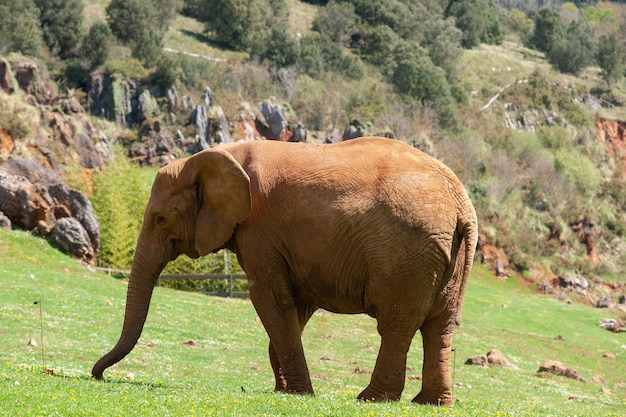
228, 269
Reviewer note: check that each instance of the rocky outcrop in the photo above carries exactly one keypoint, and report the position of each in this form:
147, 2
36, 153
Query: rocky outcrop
34, 198
6, 78
156, 147
612, 134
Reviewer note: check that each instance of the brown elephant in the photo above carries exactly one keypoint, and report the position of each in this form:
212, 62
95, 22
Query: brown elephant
367, 226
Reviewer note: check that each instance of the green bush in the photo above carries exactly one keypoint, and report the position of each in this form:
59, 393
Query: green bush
17, 127
335, 21
119, 200
96, 44
61, 24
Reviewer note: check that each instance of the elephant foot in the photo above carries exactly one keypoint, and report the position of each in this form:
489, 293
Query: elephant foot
432, 399
377, 395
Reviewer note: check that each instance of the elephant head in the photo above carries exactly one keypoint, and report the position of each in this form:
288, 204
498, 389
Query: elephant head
194, 207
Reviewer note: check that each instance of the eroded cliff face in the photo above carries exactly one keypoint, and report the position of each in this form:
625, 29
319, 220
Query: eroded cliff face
612, 133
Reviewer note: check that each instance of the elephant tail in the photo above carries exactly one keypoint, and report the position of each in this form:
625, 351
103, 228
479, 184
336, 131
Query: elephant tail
467, 228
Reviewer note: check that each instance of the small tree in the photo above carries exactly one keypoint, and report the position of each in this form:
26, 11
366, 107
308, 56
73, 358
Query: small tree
610, 58
242, 25
573, 52
478, 20
548, 30
148, 46
281, 50
379, 41
129, 19
335, 21
443, 39
95, 45
61, 24
416, 76
19, 28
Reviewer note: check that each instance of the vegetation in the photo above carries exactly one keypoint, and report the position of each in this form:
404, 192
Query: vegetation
202, 355
498, 91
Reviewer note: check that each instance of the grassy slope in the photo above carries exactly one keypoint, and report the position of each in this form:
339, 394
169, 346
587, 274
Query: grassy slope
229, 373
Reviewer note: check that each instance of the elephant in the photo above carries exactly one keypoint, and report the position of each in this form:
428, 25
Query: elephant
370, 225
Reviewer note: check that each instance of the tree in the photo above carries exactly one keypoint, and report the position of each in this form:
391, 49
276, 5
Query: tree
443, 40
379, 41
610, 58
61, 24
548, 30
96, 44
148, 47
335, 21
416, 76
282, 50
574, 51
243, 25
19, 28
128, 19
478, 20
519, 23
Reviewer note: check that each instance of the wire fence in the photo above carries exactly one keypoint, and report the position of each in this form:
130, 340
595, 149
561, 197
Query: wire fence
191, 277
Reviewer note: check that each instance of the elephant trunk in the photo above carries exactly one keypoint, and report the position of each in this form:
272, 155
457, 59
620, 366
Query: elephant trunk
140, 288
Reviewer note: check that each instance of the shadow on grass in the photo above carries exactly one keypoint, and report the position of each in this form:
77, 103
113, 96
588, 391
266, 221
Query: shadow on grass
58, 374
201, 37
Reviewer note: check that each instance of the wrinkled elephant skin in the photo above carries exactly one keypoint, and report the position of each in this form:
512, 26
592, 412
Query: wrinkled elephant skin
367, 226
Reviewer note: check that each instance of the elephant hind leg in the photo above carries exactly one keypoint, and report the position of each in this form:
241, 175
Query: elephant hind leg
389, 373
436, 373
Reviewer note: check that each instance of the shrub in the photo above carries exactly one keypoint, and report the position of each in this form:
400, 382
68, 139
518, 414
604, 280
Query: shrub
167, 71
96, 44
417, 77
573, 52
20, 29
281, 51
548, 30
119, 199
16, 127
478, 20
335, 21
610, 58
379, 41
61, 24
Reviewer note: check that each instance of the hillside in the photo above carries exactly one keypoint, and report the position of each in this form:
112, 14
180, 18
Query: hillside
540, 151
203, 355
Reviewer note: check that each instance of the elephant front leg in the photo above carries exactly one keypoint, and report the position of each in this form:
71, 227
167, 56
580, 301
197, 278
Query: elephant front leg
436, 373
281, 384
286, 351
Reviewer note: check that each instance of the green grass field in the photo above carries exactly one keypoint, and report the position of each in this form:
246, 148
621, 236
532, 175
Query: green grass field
226, 372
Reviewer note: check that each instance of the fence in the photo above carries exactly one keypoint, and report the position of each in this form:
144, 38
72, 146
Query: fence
192, 277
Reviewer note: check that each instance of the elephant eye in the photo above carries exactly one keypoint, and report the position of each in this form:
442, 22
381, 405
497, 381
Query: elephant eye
161, 220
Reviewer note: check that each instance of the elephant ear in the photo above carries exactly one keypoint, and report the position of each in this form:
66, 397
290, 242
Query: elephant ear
224, 200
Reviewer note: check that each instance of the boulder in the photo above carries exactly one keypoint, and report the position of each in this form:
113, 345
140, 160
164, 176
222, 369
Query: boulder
276, 128
22, 202
480, 360
613, 325
574, 282
34, 198
6, 78
147, 106
557, 368
155, 148
496, 358
605, 301
71, 237
172, 99
80, 208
